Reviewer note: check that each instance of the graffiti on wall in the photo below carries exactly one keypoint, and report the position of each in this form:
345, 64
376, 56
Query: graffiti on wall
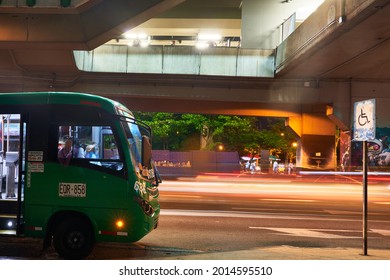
351, 152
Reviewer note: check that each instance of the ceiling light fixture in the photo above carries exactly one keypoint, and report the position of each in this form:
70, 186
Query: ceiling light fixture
209, 37
202, 45
137, 39
141, 36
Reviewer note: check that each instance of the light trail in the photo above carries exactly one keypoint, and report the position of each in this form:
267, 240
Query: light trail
254, 215
287, 200
288, 188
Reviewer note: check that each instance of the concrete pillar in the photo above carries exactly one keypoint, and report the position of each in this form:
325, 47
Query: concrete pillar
316, 146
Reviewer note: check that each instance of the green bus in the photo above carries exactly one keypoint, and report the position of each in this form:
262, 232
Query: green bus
76, 169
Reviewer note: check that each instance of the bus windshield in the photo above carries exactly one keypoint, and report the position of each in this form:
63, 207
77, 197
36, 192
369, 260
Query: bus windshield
137, 134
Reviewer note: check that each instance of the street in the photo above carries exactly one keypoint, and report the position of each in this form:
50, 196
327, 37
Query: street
228, 213
241, 213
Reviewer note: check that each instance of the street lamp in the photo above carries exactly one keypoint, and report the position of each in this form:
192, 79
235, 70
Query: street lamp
294, 144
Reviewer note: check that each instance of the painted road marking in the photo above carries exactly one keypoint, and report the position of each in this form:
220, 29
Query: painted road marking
302, 232
319, 233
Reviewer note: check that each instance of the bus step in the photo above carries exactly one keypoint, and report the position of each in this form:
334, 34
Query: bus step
7, 232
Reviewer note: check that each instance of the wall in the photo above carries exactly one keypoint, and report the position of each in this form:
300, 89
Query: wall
177, 60
170, 163
379, 149
261, 20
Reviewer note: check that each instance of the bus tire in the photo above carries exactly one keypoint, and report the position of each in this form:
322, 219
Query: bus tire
73, 239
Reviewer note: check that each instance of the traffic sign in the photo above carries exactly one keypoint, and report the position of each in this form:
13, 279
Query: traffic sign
364, 120
364, 130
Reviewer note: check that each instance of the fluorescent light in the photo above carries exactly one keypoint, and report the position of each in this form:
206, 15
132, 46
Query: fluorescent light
144, 44
209, 37
130, 36
141, 36
202, 45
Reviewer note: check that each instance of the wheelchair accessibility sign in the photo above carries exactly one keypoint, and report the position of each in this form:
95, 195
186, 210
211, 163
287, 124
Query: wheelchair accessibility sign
364, 120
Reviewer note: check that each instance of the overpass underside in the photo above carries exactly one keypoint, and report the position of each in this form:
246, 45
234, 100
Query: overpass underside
306, 106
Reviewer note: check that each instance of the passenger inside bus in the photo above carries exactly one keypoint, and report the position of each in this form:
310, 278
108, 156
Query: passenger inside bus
79, 149
90, 151
65, 153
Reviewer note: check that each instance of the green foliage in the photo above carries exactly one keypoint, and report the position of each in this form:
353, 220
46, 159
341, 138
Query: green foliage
170, 130
242, 134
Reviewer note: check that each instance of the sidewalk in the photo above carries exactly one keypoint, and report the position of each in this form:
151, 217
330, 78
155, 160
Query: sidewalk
291, 253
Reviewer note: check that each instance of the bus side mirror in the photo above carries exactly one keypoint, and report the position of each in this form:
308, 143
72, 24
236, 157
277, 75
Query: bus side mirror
146, 152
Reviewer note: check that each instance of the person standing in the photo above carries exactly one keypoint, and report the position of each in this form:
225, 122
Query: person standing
275, 167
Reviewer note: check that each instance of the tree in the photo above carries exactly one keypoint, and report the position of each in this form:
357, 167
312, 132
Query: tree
233, 132
279, 140
242, 134
170, 131
236, 133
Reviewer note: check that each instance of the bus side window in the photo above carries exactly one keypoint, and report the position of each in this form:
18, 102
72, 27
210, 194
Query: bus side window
95, 144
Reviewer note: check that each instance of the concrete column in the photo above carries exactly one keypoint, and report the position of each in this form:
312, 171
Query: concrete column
316, 146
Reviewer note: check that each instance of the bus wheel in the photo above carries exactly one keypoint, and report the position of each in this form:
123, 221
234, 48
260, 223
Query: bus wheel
73, 239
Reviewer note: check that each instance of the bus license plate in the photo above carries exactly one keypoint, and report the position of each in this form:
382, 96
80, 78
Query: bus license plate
72, 190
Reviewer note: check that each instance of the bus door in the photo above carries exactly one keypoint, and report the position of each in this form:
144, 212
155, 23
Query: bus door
12, 147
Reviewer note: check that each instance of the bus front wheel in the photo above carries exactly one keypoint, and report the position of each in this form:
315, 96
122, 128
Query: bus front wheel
73, 239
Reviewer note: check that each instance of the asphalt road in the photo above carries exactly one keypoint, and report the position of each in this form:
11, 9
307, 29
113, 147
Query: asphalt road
225, 214
240, 213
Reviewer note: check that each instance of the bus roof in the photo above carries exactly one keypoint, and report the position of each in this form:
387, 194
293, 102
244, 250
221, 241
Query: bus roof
71, 98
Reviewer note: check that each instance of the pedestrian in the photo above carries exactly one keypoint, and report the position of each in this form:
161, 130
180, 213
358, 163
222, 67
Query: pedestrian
290, 168
276, 167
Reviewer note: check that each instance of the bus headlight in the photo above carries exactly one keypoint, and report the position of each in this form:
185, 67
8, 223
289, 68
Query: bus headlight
148, 209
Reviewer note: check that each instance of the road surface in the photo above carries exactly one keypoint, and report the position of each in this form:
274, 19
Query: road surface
225, 214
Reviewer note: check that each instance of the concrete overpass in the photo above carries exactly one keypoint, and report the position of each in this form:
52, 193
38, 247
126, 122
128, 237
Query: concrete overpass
339, 55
